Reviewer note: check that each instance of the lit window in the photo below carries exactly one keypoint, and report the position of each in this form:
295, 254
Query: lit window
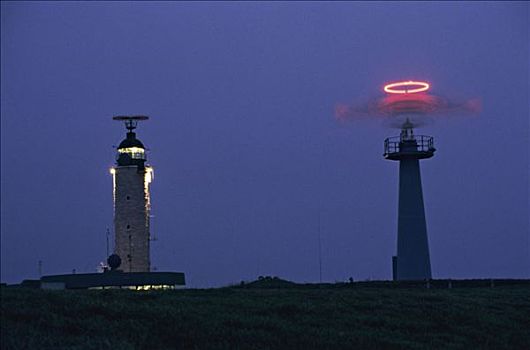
154, 287
133, 152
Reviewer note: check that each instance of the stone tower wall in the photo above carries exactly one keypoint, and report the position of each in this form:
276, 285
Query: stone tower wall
131, 218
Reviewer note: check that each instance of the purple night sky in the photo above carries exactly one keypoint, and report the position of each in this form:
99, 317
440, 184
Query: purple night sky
243, 138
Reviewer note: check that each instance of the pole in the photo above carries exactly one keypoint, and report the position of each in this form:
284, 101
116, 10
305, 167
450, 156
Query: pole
108, 233
319, 249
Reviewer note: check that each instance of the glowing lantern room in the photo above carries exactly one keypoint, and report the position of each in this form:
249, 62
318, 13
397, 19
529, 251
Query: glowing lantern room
131, 151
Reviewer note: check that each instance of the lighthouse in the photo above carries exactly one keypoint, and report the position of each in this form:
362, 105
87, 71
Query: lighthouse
129, 265
131, 181
412, 261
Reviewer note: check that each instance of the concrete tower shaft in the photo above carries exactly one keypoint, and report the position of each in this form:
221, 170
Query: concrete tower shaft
412, 261
131, 217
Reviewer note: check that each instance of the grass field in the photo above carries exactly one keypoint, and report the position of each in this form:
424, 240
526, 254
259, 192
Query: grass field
269, 316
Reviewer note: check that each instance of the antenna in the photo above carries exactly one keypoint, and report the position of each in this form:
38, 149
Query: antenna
131, 121
319, 249
319, 204
153, 237
108, 234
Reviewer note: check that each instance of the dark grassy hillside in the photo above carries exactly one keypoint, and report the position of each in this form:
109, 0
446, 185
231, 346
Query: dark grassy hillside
255, 317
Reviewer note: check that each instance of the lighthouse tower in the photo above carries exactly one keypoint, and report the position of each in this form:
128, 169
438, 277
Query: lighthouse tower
412, 261
131, 180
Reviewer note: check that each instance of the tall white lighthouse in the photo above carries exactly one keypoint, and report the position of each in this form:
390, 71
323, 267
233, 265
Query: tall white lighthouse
131, 181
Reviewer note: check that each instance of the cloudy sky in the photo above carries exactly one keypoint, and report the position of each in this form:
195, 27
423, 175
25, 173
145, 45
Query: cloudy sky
244, 142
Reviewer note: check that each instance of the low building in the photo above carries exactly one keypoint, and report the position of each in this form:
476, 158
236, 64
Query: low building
115, 279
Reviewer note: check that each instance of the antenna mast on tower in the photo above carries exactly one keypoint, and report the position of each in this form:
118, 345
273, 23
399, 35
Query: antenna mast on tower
130, 121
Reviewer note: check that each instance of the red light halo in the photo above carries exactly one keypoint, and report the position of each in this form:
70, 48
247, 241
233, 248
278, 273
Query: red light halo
420, 86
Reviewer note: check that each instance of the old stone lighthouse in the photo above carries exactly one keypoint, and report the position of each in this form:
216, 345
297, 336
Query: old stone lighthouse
131, 181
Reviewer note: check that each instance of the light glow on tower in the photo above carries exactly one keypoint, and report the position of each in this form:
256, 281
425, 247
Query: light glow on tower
148, 178
112, 170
